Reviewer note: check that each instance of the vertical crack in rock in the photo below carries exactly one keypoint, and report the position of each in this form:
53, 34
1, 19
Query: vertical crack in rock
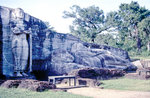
1, 42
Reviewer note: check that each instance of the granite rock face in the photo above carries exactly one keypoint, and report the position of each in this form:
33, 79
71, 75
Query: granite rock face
52, 52
16, 19
71, 53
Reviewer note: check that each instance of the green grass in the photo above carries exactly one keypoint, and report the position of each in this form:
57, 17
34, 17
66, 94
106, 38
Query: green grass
127, 84
140, 57
23, 93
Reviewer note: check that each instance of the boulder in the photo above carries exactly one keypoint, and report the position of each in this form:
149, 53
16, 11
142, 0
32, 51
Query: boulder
11, 84
94, 73
2, 81
88, 82
33, 85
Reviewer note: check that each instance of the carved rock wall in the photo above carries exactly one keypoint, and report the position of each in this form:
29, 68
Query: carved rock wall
16, 17
53, 52
65, 52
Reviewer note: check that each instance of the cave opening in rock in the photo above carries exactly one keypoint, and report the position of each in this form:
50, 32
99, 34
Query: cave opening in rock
41, 75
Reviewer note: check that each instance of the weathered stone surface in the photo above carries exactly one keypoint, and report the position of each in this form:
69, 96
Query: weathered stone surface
2, 81
116, 51
94, 73
88, 82
11, 83
33, 85
54, 52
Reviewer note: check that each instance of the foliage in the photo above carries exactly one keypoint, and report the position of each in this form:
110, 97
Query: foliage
87, 23
22, 93
49, 26
131, 21
106, 39
132, 24
131, 16
113, 21
144, 28
140, 57
127, 84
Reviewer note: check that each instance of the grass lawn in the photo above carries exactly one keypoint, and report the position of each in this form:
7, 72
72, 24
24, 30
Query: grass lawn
23, 93
140, 57
127, 84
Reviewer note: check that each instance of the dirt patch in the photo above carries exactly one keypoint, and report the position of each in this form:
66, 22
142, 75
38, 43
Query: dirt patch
105, 93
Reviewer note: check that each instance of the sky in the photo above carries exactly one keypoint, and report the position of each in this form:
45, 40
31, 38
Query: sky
52, 10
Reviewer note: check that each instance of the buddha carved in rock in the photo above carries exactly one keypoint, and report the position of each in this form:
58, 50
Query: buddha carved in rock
20, 44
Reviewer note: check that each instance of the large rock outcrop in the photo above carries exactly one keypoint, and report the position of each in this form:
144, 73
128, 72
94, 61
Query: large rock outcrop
68, 53
52, 52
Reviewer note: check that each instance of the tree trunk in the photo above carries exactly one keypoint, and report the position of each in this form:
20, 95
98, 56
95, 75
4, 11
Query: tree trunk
138, 44
93, 38
148, 46
138, 40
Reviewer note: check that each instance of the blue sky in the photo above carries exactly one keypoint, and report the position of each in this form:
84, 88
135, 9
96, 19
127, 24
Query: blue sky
52, 10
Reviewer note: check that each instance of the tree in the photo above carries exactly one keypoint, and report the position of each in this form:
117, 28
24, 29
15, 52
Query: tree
106, 39
131, 15
131, 22
144, 28
112, 21
126, 22
49, 26
87, 22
